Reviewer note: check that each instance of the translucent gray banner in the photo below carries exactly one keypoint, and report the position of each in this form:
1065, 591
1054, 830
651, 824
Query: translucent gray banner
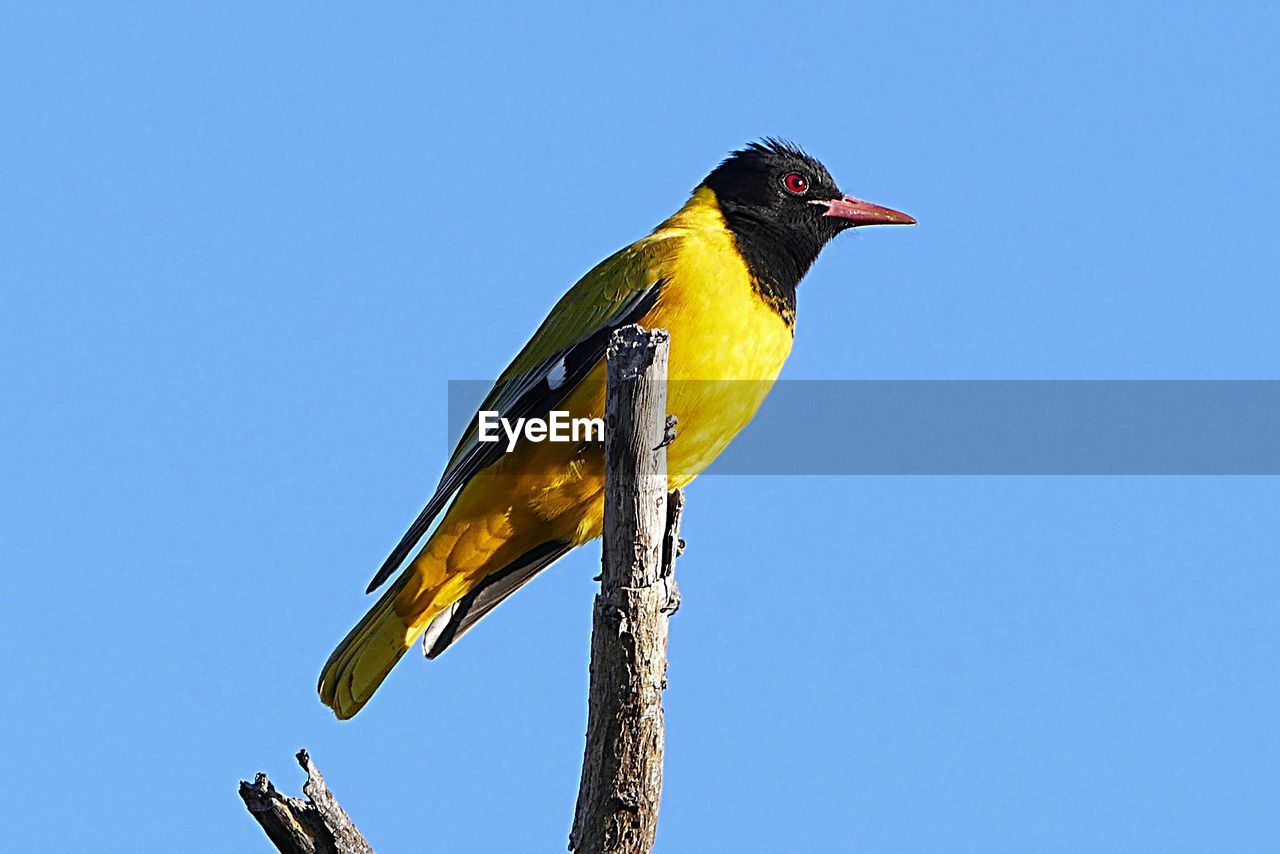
1040, 427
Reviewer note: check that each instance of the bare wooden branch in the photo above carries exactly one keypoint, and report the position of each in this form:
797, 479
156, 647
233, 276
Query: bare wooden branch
621, 786
318, 825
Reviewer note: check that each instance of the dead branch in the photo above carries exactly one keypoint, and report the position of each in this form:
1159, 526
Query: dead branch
318, 825
621, 787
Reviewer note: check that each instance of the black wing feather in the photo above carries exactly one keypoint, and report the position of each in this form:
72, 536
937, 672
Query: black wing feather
537, 400
457, 619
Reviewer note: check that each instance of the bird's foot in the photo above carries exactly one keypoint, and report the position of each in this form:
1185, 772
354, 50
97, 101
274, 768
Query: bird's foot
668, 433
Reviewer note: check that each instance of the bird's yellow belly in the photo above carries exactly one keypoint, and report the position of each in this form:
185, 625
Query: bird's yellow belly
723, 364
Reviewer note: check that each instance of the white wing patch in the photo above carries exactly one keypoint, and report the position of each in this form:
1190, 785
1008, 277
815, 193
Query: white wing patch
555, 377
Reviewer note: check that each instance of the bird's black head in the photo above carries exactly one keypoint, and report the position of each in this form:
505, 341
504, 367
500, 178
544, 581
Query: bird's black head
782, 207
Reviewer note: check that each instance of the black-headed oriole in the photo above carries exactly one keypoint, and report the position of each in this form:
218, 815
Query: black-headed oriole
720, 274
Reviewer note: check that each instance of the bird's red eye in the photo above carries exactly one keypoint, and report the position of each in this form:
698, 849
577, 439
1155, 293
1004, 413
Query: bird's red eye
796, 183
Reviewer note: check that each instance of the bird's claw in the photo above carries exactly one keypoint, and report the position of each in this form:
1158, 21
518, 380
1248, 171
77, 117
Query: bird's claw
668, 433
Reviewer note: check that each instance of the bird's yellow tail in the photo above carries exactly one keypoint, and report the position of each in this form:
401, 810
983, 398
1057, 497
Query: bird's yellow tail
429, 597
369, 651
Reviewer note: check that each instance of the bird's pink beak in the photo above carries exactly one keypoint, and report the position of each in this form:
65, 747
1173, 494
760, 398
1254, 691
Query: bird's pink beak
858, 212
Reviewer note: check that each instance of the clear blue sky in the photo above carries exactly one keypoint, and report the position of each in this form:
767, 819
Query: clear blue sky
244, 249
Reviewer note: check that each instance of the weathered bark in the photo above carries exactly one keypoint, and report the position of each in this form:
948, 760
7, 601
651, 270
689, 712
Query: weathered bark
621, 787
318, 825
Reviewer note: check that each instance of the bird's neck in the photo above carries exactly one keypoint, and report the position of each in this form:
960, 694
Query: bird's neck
776, 257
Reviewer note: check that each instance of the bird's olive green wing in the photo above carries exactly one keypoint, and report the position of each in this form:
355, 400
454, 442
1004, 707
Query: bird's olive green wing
569, 343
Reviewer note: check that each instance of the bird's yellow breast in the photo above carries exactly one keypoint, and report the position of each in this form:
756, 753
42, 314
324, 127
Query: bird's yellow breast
727, 344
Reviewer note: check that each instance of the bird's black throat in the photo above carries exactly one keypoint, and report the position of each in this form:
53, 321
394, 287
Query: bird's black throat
777, 254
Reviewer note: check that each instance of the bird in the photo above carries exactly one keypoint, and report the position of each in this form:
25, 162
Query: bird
721, 276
